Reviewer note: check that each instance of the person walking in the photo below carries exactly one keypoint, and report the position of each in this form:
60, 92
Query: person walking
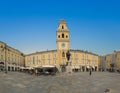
90, 73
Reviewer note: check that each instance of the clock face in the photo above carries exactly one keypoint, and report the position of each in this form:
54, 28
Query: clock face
63, 45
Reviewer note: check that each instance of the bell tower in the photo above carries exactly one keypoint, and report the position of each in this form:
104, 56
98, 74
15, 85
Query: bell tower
62, 41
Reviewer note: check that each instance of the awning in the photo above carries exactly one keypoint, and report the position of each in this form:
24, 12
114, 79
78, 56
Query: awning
29, 68
49, 66
73, 67
22, 67
77, 67
88, 66
37, 67
93, 67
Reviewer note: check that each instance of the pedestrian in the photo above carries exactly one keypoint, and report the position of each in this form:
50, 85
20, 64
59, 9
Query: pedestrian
90, 73
36, 72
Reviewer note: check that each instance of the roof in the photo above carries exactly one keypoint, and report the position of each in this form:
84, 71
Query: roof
9, 47
62, 21
41, 52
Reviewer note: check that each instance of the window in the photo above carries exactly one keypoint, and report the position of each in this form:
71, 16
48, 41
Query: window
30, 60
62, 27
43, 56
83, 61
62, 35
9, 59
87, 56
33, 60
37, 59
76, 55
76, 61
66, 36
43, 62
58, 36
54, 62
1, 46
63, 62
83, 56
2, 57
54, 55
48, 62
87, 62
48, 56
93, 61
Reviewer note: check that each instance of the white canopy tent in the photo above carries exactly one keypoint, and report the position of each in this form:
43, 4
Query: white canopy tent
88, 66
49, 66
77, 67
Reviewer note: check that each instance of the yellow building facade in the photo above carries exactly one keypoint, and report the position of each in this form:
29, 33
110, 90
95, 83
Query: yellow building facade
117, 55
81, 60
113, 58
108, 61
10, 59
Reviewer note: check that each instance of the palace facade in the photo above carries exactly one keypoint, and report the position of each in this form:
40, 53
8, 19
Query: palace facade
10, 59
13, 59
81, 60
111, 61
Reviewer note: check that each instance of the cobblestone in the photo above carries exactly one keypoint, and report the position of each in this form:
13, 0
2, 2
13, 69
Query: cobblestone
80, 82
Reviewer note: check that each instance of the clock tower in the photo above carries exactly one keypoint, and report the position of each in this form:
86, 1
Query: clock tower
62, 41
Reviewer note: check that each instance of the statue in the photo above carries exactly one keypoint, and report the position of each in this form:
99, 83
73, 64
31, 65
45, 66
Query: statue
69, 64
68, 55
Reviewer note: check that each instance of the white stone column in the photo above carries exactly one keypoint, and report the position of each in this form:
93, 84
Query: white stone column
69, 67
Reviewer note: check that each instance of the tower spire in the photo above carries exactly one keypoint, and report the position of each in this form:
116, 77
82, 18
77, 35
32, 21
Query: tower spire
62, 26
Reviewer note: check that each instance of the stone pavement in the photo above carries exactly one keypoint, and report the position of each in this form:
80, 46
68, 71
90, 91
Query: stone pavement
80, 82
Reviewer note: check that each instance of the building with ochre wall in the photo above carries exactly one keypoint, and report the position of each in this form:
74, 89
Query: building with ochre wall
111, 59
82, 60
10, 58
117, 55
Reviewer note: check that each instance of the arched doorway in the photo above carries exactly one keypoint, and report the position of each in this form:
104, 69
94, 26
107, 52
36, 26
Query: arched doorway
8, 68
2, 66
83, 68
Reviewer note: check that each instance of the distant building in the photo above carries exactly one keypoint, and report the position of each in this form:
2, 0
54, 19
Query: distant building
117, 59
10, 58
13, 59
112, 59
81, 60
102, 63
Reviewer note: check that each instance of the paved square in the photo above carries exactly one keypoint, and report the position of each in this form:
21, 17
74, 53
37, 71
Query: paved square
80, 82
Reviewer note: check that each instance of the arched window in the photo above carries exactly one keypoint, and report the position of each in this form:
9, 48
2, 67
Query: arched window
62, 35
66, 36
33, 60
58, 36
62, 27
1, 46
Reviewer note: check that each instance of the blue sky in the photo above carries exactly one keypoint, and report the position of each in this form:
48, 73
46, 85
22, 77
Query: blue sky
30, 25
